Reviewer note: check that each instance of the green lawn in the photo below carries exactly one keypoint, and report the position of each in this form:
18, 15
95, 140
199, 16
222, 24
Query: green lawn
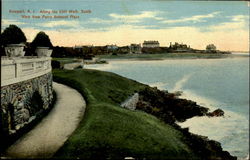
109, 131
66, 60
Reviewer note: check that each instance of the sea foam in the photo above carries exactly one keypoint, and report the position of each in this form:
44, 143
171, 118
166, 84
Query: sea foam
231, 130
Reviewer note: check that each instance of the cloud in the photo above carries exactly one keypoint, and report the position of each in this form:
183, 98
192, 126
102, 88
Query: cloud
6, 22
237, 18
194, 19
113, 21
238, 22
136, 17
120, 18
62, 23
102, 21
126, 34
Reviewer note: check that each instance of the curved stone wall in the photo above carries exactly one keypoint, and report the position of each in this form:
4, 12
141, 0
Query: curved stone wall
29, 94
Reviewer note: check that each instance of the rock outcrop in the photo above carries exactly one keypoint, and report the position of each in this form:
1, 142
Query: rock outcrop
169, 108
216, 113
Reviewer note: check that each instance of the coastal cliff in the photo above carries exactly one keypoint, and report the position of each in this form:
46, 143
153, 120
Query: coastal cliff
171, 109
109, 131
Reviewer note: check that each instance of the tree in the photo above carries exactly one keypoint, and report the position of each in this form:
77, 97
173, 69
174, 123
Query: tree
211, 47
41, 40
12, 35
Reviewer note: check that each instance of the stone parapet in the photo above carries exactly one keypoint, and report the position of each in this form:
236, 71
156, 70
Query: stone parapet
14, 70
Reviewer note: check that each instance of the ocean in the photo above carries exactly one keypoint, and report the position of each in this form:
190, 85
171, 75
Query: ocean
212, 83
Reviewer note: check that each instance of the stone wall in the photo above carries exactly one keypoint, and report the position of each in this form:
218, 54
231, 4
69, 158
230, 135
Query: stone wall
71, 66
22, 102
17, 69
131, 102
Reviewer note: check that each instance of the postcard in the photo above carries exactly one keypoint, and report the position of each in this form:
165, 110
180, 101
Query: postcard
124, 79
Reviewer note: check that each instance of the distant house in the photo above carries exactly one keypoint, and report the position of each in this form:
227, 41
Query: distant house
179, 47
112, 47
81, 48
123, 50
150, 44
135, 48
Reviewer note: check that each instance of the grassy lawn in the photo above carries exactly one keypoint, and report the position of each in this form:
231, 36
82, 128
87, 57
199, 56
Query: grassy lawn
109, 131
66, 60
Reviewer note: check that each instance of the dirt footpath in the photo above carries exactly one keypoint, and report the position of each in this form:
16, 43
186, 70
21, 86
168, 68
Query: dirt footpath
51, 133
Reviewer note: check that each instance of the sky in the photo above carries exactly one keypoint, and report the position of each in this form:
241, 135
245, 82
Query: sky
122, 22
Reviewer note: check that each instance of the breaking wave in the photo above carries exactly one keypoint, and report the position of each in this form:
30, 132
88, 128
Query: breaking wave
179, 84
224, 129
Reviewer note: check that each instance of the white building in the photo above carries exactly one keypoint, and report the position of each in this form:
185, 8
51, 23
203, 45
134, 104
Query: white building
151, 44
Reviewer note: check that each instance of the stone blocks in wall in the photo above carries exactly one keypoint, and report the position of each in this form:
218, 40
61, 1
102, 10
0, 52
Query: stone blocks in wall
23, 101
131, 102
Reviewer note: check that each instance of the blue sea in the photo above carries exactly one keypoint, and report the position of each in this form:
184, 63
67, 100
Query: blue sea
213, 83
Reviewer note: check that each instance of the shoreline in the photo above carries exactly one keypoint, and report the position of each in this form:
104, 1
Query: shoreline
164, 108
172, 56
150, 57
196, 124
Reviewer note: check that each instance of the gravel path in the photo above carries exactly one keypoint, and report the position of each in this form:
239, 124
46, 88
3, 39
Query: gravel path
51, 133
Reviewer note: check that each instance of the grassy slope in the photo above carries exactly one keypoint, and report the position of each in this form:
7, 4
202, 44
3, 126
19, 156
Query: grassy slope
108, 130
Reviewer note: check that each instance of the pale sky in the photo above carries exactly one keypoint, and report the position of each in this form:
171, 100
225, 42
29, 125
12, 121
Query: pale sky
122, 22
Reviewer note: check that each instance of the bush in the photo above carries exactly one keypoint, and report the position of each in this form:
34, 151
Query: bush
12, 35
55, 64
41, 40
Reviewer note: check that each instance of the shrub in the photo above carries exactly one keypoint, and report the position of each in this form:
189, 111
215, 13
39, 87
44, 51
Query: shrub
41, 40
12, 35
55, 64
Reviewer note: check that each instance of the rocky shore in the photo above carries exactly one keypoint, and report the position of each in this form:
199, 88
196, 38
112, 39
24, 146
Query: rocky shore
171, 109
